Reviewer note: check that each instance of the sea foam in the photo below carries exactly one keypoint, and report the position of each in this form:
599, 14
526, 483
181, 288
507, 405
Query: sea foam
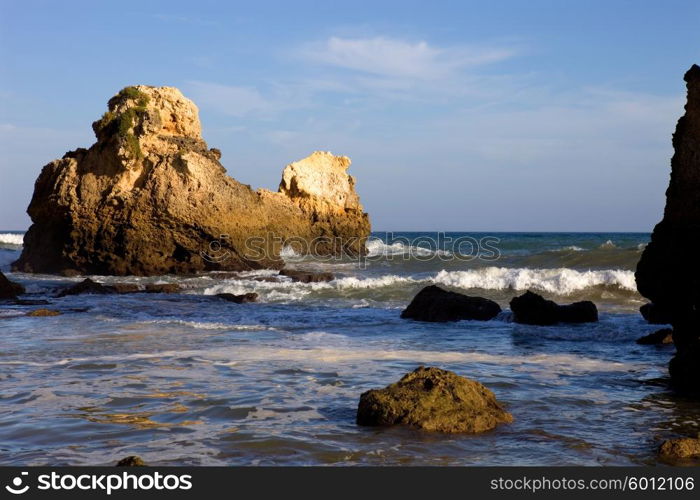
11, 239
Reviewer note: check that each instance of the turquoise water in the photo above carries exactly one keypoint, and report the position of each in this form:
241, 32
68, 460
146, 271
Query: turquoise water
191, 379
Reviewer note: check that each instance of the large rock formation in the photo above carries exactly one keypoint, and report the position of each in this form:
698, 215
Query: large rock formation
532, 309
150, 197
668, 273
434, 304
434, 400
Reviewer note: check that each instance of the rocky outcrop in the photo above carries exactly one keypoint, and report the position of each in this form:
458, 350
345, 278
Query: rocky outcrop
43, 313
243, 298
434, 304
654, 314
679, 449
150, 197
668, 273
9, 290
87, 286
659, 337
131, 461
533, 309
434, 400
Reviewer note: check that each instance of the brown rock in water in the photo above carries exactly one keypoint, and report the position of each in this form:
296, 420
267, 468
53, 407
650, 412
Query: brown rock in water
43, 312
9, 289
239, 299
681, 448
533, 309
163, 288
668, 273
306, 276
124, 288
87, 286
131, 461
434, 304
150, 197
434, 400
664, 336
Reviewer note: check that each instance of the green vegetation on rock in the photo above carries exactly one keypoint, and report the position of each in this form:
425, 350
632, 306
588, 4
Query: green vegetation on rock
122, 124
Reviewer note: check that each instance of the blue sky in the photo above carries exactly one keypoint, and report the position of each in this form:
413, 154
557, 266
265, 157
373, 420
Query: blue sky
491, 116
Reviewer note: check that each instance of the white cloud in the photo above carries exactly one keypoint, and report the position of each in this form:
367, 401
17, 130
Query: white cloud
229, 99
400, 58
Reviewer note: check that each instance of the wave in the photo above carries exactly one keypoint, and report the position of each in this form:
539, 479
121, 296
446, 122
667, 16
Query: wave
376, 247
11, 239
559, 281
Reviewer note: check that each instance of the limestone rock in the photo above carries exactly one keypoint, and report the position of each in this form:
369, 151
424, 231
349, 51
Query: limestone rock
681, 448
306, 276
434, 304
9, 289
668, 273
434, 400
533, 309
43, 312
163, 288
132, 461
150, 198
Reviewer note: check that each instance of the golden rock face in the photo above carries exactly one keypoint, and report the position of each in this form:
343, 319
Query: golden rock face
150, 197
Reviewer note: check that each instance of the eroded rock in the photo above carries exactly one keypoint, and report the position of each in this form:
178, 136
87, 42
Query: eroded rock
87, 286
239, 299
150, 197
681, 448
434, 400
43, 313
435, 304
664, 336
306, 276
533, 309
131, 461
9, 289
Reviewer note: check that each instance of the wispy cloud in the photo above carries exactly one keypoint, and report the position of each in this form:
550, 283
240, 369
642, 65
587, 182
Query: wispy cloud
400, 58
229, 99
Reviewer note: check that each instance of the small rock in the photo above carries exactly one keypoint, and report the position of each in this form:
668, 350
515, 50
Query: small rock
433, 303
31, 302
44, 312
131, 461
306, 276
664, 336
125, 288
680, 448
654, 314
163, 288
87, 286
433, 399
533, 309
239, 299
9, 289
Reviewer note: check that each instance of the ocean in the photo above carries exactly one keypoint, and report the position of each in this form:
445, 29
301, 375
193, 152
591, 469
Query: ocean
191, 379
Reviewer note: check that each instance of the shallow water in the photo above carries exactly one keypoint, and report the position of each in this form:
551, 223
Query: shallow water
192, 379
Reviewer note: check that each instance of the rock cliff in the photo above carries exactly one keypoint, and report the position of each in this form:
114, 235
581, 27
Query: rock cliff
669, 271
150, 197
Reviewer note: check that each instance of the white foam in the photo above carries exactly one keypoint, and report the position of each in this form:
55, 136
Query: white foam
560, 281
608, 245
203, 325
11, 239
376, 247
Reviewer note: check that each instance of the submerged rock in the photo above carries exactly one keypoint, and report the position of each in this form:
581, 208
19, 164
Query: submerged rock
533, 309
44, 312
434, 400
668, 273
681, 448
131, 461
87, 286
433, 303
9, 289
150, 198
306, 276
664, 336
163, 288
239, 299
124, 288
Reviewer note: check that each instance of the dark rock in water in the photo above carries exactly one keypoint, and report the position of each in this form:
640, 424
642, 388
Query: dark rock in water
434, 400
31, 302
150, 197
87, 286
43, 312
9, 289
239, 299
131, 461
664, 336
163, 288
306, 276
654, 314
124, 288
668, 273
533, 309
434, 304
681, 448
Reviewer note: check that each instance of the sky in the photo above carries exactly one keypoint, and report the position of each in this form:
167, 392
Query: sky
458, 116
